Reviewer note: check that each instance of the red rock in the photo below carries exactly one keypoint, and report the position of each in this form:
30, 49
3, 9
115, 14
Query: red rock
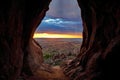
99, 54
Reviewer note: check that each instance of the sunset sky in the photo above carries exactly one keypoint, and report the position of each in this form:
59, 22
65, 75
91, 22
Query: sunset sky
63, 20
55, 35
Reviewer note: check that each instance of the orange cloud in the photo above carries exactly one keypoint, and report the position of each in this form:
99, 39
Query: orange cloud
51, 35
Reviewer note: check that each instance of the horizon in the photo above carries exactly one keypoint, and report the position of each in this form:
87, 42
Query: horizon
53, 35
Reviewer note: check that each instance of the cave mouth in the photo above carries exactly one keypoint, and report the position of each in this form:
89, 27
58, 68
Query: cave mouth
60, 32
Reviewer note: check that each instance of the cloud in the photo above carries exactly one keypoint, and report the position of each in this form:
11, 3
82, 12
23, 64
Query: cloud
56, 21
63, 17
58, 25
64, 8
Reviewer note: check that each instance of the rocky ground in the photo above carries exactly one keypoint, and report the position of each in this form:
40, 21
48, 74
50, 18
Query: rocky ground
55, 51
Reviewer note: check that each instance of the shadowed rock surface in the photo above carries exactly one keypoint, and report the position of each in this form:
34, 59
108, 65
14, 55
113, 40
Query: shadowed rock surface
21, 56
100, 49
18, 21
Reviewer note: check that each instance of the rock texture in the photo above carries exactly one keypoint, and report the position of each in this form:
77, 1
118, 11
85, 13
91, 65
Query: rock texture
20, 55
18, 21
100, 51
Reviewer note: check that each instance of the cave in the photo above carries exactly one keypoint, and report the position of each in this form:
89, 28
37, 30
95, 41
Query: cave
21, 56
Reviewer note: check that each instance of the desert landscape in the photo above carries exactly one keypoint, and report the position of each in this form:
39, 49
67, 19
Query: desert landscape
58, 50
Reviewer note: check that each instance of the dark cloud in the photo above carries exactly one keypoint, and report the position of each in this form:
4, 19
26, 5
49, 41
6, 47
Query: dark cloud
59, 25
65, 9
63, 17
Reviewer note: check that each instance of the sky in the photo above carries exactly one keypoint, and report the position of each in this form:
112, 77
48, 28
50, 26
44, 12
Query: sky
63, 17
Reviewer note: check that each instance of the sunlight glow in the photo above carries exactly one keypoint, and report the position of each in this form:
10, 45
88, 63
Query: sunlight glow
50, 35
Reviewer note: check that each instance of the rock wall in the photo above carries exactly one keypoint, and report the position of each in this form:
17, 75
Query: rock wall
99, 54
18, 21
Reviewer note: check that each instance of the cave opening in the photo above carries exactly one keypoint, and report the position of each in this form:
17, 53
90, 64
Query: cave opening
60, 32
20, 55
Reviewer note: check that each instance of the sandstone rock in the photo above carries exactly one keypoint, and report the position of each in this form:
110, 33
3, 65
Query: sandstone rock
101, 42
99, 54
